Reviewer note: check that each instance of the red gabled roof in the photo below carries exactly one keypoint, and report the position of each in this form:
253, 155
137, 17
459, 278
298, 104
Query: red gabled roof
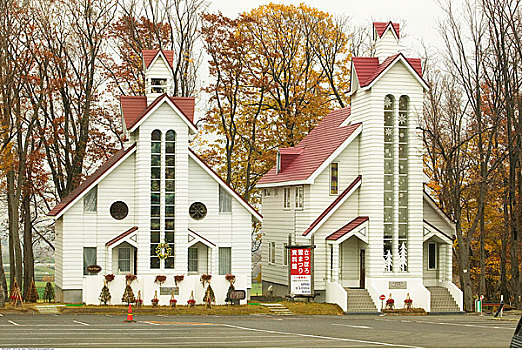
134, 108
380, 27
332, 205
224, 182
368, 68
121, 236
314, 149
90, 180
347, 228
149, 55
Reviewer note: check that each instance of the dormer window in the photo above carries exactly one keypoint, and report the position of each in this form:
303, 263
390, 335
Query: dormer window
158, 85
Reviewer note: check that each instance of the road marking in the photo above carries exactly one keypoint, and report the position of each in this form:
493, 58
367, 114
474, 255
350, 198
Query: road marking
147, 322
464, 325
190, 323
320, 337
13, 323
85, 324
351, 325
1, 315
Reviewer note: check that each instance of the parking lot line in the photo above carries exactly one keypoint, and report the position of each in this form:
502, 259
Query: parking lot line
13, 323
83, 323
322, 337
351, 325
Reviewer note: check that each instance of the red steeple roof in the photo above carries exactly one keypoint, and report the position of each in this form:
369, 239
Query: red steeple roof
149, 55
381, 27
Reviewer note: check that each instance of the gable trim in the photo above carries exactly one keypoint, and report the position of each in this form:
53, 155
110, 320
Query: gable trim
332, 208
200, 238
155, 105
434, 231
95, 182
226, 186
160, 52
122, 236
435, 207
400, 57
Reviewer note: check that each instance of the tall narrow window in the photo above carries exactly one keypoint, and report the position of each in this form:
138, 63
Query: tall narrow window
334, 178
155, 197
403, 182
89, 258
90, 201
225, 201
225, 260
286, 197
193, 259
432, 256
271, 252
285, 255
124, 259
389, 193
299, 197
170, 176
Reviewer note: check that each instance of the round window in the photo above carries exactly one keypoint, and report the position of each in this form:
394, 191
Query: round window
119, 210
197, 210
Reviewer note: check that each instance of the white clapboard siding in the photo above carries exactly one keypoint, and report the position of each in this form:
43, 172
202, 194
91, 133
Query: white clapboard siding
386, 45
58, 252
431, 216
81, 229
223, 229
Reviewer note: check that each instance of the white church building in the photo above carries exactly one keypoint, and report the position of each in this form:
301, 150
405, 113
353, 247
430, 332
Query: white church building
354, 188
154, 192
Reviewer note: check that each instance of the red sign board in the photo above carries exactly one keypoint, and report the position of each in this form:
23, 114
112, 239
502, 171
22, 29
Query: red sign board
301, 270
382, 297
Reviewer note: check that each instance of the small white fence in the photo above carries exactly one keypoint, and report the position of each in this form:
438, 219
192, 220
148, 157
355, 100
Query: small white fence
92, 286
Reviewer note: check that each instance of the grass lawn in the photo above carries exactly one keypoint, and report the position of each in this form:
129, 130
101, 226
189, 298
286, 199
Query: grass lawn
302, 308
165, 310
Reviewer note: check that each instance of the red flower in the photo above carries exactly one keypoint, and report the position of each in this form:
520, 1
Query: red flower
390, 301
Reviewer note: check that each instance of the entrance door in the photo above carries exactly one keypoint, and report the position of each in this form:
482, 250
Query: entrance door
362, 270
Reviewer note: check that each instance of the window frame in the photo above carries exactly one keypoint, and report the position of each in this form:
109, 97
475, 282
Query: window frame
85, 272
225, 200
271, 252
92, 191
196, 261
337, 179
120, 260
435, 258
223, 270
285, 255
287, 199
299, 201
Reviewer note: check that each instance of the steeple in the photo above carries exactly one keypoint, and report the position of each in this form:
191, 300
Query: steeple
386, 36
158, 73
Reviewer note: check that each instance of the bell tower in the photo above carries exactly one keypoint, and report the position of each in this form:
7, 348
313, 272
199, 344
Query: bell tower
158, 73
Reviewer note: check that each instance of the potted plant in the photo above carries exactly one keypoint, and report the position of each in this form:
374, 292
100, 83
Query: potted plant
173, 300
408, 302
178, 278
129, 278
205, 278
230, 278
160, 279
138, 301
191, 302
109, 278
390, 303
155, 301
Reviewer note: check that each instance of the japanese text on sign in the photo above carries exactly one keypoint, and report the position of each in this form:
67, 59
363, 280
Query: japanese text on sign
301, 271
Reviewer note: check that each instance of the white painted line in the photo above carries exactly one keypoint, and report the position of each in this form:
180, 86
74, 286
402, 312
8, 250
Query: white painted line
464, 325
320, 337
13, 323
1, 315
85, 324
154, 324
351, 325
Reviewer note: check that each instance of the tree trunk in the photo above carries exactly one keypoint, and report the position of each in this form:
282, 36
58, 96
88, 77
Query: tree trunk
28, 244
15, 250
504, 241
3, 282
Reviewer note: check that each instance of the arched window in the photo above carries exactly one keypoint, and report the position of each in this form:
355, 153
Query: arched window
170, 176
402, 122
389, 193
155, 197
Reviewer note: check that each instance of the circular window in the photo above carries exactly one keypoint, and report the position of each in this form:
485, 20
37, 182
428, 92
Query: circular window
119, 210
197, 210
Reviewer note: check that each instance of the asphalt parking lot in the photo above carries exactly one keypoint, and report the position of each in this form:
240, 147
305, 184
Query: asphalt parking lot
255, 331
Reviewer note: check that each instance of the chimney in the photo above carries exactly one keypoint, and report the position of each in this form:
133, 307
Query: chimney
386, 36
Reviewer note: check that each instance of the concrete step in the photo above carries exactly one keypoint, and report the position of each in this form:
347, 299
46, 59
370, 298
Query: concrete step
278, 309
48, 309
442, 301
359, 301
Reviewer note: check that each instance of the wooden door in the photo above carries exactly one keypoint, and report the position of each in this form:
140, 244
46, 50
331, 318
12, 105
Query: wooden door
362, 269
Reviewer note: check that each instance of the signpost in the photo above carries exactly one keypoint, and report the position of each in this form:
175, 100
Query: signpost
300, 266
382, 297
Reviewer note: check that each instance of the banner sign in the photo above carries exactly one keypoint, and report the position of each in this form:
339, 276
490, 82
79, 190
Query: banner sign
300, 266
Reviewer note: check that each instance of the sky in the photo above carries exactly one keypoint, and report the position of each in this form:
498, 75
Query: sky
421, 16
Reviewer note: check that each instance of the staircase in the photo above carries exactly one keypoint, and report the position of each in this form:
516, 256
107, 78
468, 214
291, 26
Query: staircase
359, 302
442, 301
278, 309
